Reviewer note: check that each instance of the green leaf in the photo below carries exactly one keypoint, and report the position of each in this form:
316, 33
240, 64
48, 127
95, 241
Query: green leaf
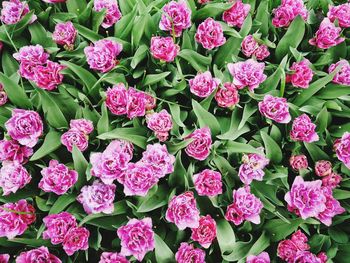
263, 16
139, 55
124, 26
15, 93
273, 150
51, 143
97, 19
134, 135
315, 152
211, 10
80, 165
206, 119
162, 251
76, 6
176, 114
155, 78
292, 38
39, 35
279, 229
157, 200
333, 91
197, 61
249, 110
238, 147
226, 236
61, 203
340, 194
103, 123
87, 33
178, 177
11, 64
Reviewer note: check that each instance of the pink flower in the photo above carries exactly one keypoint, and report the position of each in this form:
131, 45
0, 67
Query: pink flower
3, 95
247, 74
332, 209
256, 161
117, 99
236, 15
137, 238
342, 149
303, 130
25, 126
13, 11
227, 96
301, 74
138, 179
10, 150
287, 249
4, 258
203, 1
343, 76
200, 147
247, 173
210, 34
13, 176
208, 183
203, 84
151, 102
340, 13
75, 137
175, 18
262, 52
102, 56
84, 125
333, 180
13, 224
263, 257
205, 233
288, 11
306, 198
97, 198
110, 164
306, 257
57, 178
54, 1
245, 206
250, 47
323, 257
111, 257
57, 226
328, 35
77, 238
65, 34
113, 13
300, 240
182, 211
275, 108
34, 55
298, 162
323, 168
164, 48
158, 159
40, 254
48, 77
136, 105
187, 253
161, 123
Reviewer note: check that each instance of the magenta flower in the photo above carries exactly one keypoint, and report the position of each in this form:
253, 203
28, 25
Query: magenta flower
236, 15
3, 95
252, 168
182, 211
34, 55
117, 99
13, 176
65, 34
113, 13
342, 149
77, 238
57, 226
308, 257
10, 150
187, 253
48, 77
250, 47
40, 254
203, 84
84, 125
262, 52
275, 108
328, 35
13, 11
208, 183
161, 123
164, 48
75, 137
4, 258
54, 1
288, 11
340, 13
200, 147
205, 233
332, 181
112, 257
136, 105
343, 76
323, 168
301, 75
298, 162
303, 130
287, 249
263, 257
210, 34
137, 238
227, 96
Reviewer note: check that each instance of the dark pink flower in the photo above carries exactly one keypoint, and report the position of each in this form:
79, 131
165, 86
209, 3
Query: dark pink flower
187, 253
13, 176
303, 130
298, 162
208, 183
210, 34
340, 13
113, 13
136, 105
328, 35
77, 238
301, 74
343, 76
164, 48
161, 123
263, 257
117, 99
227, 96
333, 180
275, 108
57, 226
75, 137
332, 208
4, 258
13, 11
200, 147
236, 15
323, 168
48, 77
84, 125
112, 257
10, 150
205, 233
203, 84
40, 254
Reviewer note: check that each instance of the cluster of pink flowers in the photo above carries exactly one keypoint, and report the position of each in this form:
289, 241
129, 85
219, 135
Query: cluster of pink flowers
112, 257
13, 11
164, 48
131, 102
65, 34
250, 47
15, 218
252, 168
113, 13
340, 13
41, 254
200, 147
227, 95
208, 183
343, 76
187, 253
203, 84
263, 257
328, 35
301, 74
296, 249
288, 11
298, 162
247, 73
3, 95
275, 109
303, 130
210, 34
311, 199
63, 229
137, 238
13, 176
245, 207
161, 123
102, 55
57, 178
78, 134
236, 15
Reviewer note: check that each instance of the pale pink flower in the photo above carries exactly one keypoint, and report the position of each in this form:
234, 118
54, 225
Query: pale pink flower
245, 207
248, 73
328, 35
13, 11
57, 226
84, 125
205, 233
113, 13
343, 76
303, 130
10, 150
182, 211
112, 257
34, 55
275, 108
301, 75
298, 162
161, 123
210, 34
13, 176
117, 99
164, 48
227, 96
41, 254
200, 147
97, 198
340, 13
25, 126
65, 34
236, 15
208, 183
137, 238
263, 257
203, 84
48, 77
77, 238
175, 18
75, 137
187, 253
247, 173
